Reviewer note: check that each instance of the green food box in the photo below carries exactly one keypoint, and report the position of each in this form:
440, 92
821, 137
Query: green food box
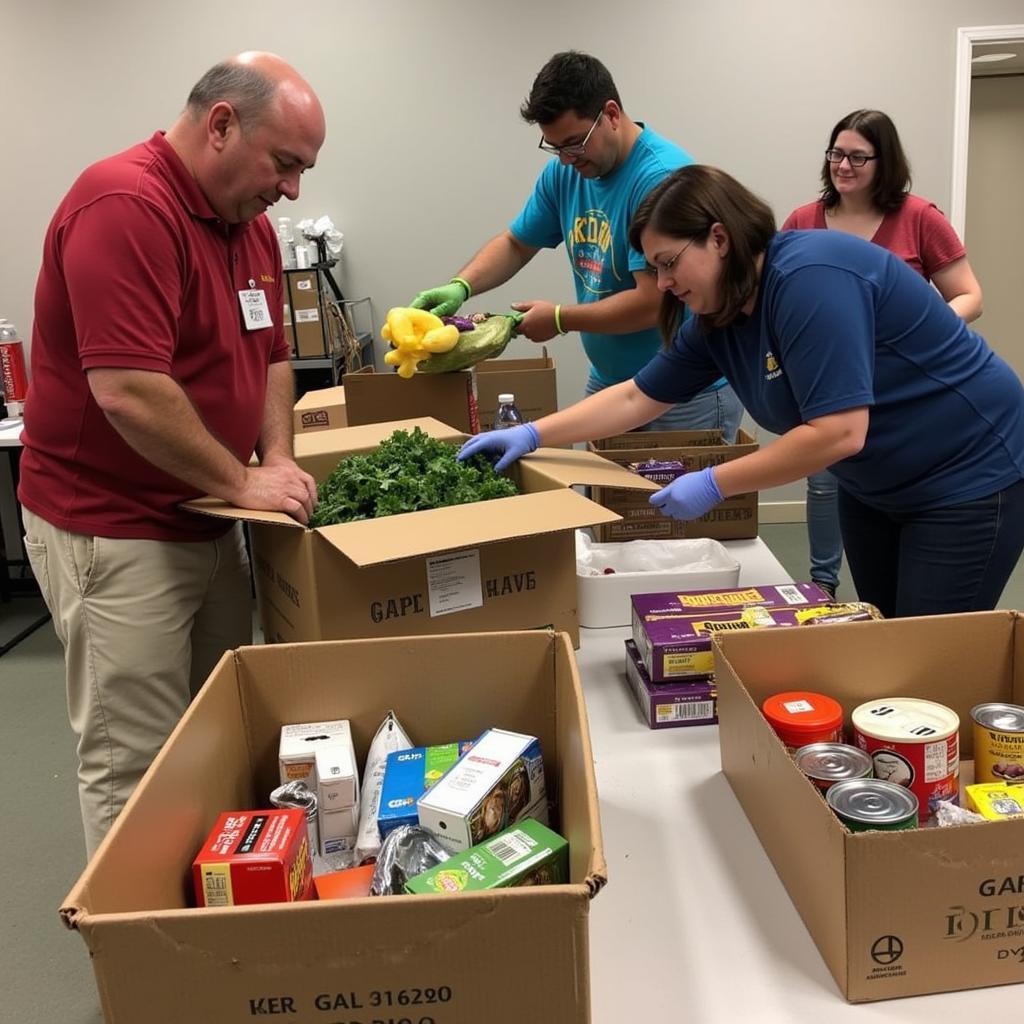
527, 853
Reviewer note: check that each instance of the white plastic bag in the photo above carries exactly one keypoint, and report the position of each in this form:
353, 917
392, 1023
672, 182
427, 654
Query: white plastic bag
389, 737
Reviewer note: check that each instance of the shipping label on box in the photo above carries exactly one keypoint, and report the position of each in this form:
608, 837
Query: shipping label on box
528, 853
497, 783
669, 705
254, 857
408, 775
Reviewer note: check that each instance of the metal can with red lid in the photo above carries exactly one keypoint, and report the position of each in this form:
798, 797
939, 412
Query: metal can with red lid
913, 743
800, 717
825, 764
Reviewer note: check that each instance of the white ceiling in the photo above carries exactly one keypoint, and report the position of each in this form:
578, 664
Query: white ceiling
1002, 67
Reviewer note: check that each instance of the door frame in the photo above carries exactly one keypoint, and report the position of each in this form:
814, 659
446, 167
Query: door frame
965, 40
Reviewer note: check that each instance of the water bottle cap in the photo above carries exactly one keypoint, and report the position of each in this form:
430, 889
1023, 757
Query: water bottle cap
506, 399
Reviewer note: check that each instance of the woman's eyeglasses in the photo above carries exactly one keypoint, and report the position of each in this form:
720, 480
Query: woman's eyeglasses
837, 156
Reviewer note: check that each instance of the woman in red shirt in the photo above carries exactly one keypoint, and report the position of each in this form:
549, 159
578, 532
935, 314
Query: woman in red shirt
866, 192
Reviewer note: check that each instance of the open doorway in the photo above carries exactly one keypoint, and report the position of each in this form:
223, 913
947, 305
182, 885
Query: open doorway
987, 206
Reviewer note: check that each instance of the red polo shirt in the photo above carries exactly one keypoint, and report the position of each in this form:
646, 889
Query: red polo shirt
139, 273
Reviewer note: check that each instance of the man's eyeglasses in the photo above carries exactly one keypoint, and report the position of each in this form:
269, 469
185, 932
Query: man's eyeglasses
837, 156
665, 266
571, 149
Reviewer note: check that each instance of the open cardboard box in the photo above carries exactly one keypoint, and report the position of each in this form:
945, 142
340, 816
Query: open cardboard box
503, 957
503, 564
323, 409
532, 381
379, 397
892, 913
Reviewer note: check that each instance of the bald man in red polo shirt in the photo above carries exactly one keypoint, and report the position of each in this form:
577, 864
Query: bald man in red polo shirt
159, 365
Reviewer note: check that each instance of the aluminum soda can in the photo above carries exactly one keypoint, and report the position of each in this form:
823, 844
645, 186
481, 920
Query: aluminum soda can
866, 804
914, 743
13, 377
998, 742
825, 764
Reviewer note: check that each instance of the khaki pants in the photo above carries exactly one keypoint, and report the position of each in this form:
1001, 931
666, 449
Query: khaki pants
142, 623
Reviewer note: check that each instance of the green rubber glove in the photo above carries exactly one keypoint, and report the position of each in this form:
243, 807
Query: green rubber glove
444, 300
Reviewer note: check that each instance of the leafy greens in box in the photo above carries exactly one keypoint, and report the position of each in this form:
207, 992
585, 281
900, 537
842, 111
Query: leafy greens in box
407, 472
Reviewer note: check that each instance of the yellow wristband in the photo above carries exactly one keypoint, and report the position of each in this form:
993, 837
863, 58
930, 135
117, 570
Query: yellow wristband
558, 320
465, 284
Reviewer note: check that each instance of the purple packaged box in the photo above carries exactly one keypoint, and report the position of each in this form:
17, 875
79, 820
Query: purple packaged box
673, 631
672, 704
658, 471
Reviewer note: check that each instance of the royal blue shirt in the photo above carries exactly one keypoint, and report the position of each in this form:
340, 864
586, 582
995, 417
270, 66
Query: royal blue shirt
838, 324
592, 217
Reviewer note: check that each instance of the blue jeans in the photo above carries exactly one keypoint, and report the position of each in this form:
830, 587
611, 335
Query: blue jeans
710, 410
954, 559
823, 534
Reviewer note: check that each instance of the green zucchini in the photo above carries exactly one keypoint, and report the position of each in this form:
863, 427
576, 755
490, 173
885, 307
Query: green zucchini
487, 341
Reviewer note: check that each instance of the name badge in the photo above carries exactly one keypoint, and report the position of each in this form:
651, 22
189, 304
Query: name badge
255, 314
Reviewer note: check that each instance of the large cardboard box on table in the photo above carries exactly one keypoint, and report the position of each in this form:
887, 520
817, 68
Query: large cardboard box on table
503, 564
532, 381
733, 519
323, 409
500, 957
892, 913
372, 397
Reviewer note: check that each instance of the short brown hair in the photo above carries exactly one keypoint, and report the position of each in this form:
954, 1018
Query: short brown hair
247, 89
686, 205
892, 172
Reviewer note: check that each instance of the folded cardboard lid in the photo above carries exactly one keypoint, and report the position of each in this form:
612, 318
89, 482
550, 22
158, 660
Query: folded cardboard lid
432, 531
365, 438
569, 467
209, 506
321, 397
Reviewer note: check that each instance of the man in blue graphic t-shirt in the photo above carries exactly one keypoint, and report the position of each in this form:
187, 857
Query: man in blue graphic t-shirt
604, 165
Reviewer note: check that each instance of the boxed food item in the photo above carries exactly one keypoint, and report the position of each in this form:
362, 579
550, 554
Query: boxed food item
495, 784
408, 775
254, 857
996, 801
297, 746
609, 574
667, 705
504, 564
322, 409
158, 960
659, 456
673, 631
893, 913
527, 853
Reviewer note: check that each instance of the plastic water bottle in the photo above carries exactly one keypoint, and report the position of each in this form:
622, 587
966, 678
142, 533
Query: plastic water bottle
508, 414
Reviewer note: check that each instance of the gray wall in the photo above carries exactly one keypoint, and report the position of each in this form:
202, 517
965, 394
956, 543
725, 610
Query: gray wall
426, 156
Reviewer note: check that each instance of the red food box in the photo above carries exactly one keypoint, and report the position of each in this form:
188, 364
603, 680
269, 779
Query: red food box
254, 857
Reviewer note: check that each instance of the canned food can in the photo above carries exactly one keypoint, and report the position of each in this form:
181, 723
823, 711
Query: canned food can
12, 371
998, 742
800, 717
825, 764
866, 804
914, 743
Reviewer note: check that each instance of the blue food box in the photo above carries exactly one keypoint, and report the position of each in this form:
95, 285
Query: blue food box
408, 775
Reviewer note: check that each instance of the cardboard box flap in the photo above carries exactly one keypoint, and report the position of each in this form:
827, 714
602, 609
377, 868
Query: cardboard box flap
431, 531
352, 440
209, 506
314, 399
569, 467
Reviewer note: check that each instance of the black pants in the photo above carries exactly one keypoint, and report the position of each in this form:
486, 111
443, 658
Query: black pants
954, 559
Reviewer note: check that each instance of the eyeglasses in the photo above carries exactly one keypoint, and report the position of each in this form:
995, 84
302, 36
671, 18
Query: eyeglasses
571, 149
837, 156
665, 266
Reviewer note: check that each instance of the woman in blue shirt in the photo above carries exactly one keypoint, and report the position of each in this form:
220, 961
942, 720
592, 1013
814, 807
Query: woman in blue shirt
856, 362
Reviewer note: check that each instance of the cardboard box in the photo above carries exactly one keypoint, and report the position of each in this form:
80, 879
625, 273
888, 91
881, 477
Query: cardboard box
372, 397
733, 519
296, 748
685, 565
673, 632
160, 961
503, 564
323, 409
892, 913
497, 782
304, 315
528, 853
532, 381
668, 705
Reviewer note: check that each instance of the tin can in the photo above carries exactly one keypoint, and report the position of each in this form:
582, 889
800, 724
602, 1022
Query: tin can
998, 742
866, 804
800, 717
825, 764
12, 371
914, 743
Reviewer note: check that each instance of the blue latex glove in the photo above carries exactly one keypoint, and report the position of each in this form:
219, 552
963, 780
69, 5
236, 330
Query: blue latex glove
689, 496
511, 444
